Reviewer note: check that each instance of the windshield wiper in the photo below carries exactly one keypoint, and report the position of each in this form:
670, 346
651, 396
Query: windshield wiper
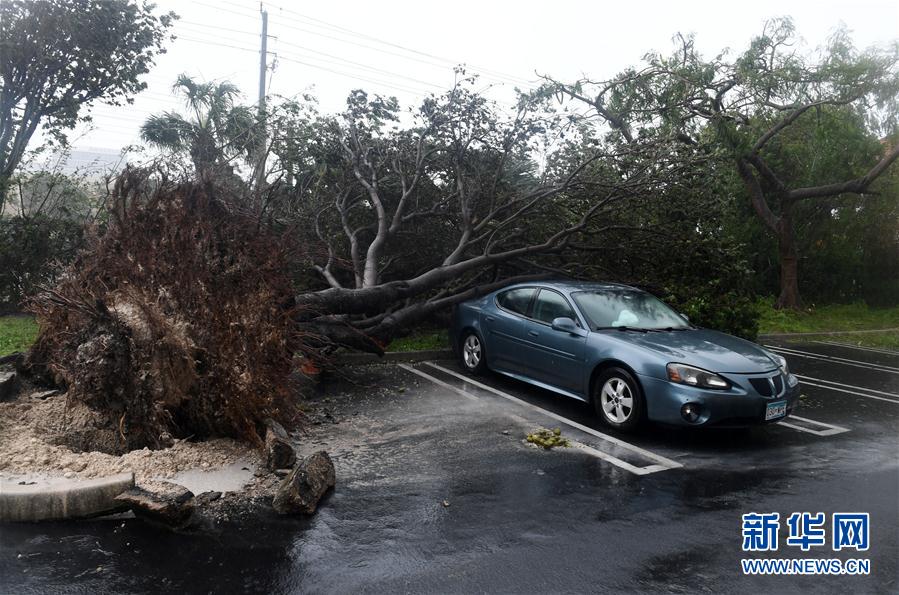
621, 328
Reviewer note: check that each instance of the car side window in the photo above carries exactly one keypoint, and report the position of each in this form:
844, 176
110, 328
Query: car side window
516, 300
551, 305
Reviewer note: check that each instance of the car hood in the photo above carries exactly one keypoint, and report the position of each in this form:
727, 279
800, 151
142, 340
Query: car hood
708, 349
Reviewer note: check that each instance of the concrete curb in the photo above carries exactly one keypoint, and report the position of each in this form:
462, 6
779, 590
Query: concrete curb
361, 359
826, 333
64, 500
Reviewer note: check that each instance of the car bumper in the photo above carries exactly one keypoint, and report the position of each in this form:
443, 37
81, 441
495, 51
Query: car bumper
738, 406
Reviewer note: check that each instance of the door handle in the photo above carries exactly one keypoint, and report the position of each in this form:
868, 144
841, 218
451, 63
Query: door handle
534, 333
490, 319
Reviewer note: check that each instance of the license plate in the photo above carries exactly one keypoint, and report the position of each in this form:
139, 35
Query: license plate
775, 410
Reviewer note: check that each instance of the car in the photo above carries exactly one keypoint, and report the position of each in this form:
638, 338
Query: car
624, 351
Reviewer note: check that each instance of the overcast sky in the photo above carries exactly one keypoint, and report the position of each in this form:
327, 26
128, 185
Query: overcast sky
408, 48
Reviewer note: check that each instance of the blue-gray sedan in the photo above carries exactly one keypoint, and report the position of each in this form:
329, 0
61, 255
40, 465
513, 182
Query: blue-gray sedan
624, 351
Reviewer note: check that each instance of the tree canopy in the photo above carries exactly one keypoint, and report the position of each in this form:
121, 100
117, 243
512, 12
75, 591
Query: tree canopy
747, 106
215, 132
56, 56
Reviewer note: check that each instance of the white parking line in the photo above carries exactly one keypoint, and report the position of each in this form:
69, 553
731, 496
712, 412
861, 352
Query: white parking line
439, 382
792, 351
830, 431
662, 462
843, 390
858, 388
588, 449
600, 454
836, 360
859, 347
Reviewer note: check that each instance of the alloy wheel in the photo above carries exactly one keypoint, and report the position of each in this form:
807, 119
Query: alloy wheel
617, 400
471, 352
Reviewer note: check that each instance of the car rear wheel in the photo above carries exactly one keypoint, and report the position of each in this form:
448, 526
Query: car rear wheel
472, 355
618, 399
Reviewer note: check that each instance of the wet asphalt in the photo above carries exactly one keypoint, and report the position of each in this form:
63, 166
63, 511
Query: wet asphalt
438, 492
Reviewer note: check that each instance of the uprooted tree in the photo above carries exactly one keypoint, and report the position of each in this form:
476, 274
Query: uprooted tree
177, 321
749, 106
182, 318
411, 219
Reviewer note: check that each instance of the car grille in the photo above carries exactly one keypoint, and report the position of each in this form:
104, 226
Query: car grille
763, 386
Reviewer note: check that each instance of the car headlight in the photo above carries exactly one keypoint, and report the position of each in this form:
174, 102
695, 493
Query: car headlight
781, 362
684, 374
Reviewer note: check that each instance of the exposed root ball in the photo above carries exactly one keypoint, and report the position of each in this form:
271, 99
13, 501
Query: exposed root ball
177, 321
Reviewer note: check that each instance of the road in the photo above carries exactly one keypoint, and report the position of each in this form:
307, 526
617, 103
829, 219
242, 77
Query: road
438, 492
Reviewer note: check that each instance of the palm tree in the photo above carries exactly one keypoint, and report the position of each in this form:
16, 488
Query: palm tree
216, 131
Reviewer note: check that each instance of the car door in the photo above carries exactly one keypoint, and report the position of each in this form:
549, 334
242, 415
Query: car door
504, 322
554, 357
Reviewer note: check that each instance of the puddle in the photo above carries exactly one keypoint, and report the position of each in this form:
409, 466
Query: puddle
222, 479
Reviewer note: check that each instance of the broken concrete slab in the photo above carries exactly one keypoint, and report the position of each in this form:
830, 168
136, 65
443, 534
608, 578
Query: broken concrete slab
301, 491
15, 360
45, 500
279, 453
9, 385
164, 503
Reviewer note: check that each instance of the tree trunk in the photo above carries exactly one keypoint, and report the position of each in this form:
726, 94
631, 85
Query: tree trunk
789, 261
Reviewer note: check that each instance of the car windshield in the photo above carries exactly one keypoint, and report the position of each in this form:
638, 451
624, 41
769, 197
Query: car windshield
627, 308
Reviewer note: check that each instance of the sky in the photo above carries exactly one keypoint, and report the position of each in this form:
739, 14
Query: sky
408, 48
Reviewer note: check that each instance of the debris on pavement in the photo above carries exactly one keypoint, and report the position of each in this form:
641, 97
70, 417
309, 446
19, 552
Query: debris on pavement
301, 491
548, 438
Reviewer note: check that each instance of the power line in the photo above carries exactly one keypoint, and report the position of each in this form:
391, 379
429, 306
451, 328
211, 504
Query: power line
219, 8
219, 27
360, 65
346, 31
387, 84
489, 73
225, 45
308, 49
369, 47
289, 58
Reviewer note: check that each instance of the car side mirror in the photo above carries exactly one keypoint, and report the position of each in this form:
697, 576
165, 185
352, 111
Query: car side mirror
565, 325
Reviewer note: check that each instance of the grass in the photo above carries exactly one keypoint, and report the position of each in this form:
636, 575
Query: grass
424, 339
17, 333
882, 340
836, 317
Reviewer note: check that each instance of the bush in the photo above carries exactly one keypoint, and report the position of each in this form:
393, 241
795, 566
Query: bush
178, 321
31, 252
728, 311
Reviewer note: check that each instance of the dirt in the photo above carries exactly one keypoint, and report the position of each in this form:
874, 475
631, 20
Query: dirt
31, 425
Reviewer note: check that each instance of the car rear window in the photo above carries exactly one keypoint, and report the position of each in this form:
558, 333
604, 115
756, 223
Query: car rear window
516, 300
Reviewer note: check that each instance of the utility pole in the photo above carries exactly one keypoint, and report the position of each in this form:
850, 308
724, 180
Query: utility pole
263, 56
263, 68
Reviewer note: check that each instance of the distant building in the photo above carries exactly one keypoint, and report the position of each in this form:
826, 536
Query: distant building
92, 161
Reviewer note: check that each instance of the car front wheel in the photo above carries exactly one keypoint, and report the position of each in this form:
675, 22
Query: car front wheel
618, 399
472, 353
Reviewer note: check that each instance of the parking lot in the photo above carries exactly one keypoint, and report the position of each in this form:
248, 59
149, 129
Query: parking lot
438, 491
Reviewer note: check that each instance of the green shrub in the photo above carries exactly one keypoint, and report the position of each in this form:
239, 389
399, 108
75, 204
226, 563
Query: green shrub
30, 251
728, 311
